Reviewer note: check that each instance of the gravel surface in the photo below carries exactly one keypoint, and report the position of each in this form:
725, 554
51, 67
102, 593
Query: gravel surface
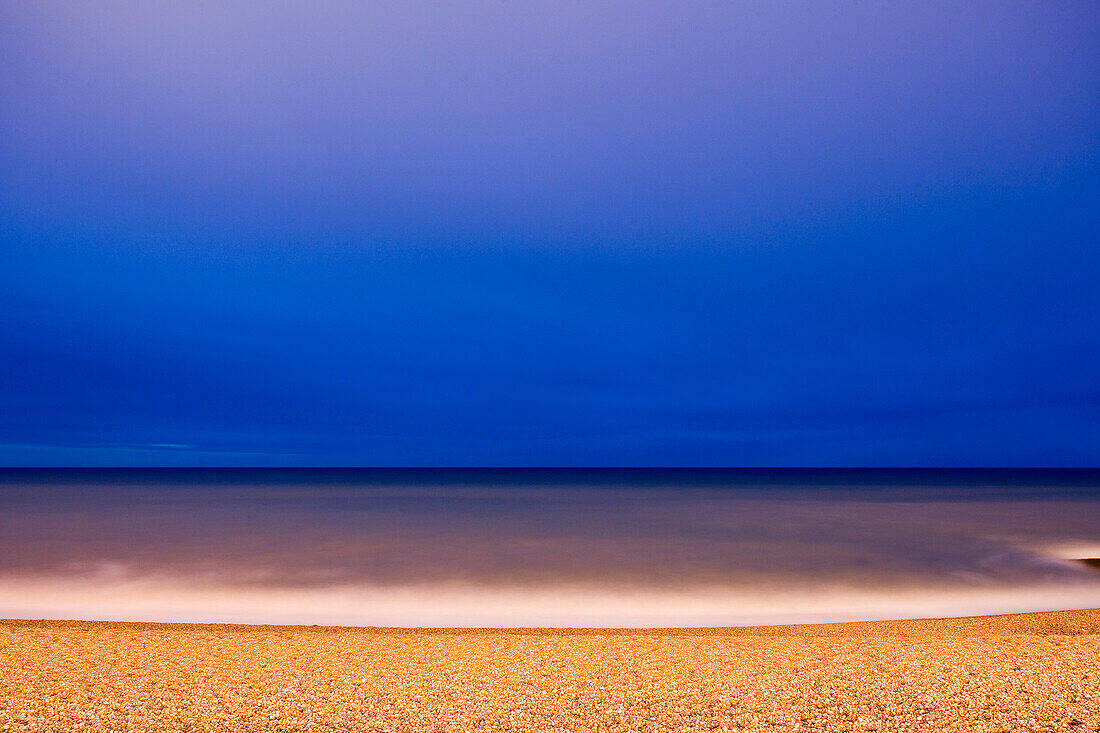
1028, 672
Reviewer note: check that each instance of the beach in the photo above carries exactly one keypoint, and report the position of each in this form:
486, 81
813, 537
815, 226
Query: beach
1023, 672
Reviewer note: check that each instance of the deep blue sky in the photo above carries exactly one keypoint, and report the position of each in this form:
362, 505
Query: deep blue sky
549, 233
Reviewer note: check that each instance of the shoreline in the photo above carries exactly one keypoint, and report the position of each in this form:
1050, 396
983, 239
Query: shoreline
1012, 618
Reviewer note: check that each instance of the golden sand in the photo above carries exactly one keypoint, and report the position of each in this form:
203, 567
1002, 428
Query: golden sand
1028, 672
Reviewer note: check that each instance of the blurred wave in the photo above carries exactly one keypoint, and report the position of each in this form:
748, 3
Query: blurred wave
543, 548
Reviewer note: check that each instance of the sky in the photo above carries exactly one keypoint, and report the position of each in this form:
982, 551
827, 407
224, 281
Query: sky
549, 233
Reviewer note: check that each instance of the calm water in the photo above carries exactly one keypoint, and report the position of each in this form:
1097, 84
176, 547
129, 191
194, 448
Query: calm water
544, 547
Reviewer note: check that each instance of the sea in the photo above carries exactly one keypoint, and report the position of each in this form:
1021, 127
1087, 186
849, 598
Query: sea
545, 547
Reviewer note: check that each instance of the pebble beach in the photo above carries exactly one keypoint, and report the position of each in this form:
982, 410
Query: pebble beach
1025, 672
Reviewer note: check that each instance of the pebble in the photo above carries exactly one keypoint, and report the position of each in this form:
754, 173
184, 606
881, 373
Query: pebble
1026, 672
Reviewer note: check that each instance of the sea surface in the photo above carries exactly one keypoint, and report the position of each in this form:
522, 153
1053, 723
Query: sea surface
544, 547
